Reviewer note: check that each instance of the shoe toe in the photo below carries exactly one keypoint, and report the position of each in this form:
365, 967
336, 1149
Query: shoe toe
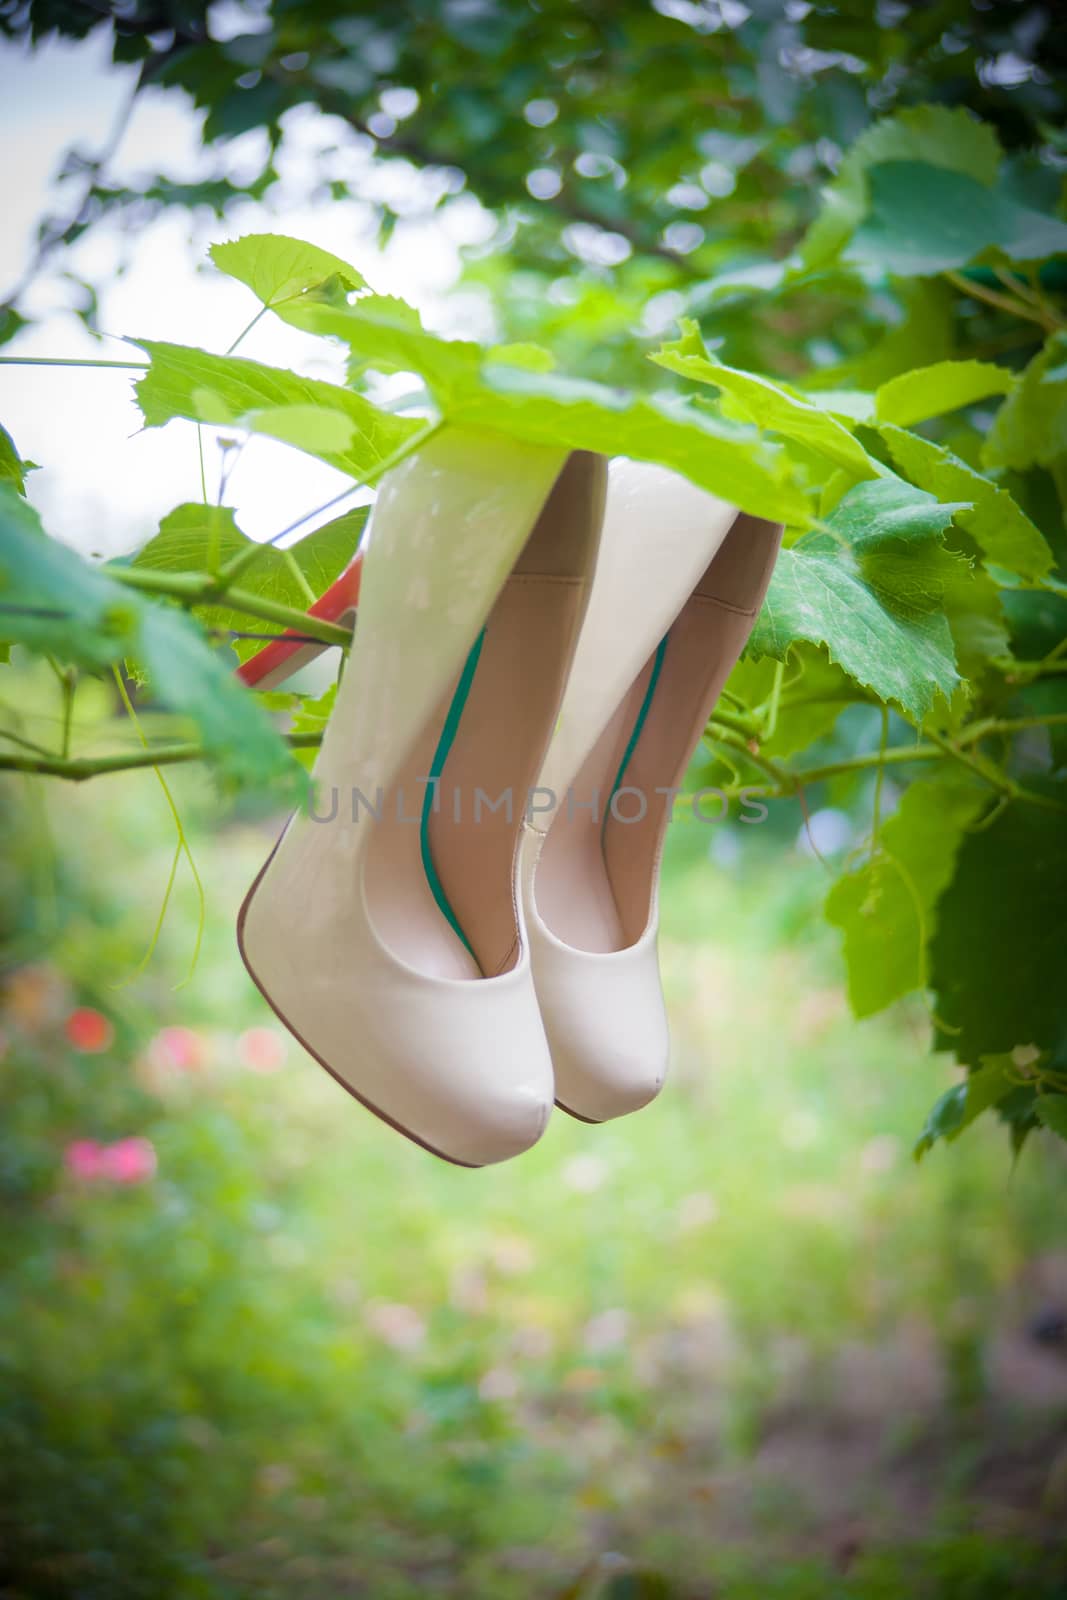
486, 1099
607, 1029
508, 1121
602, 1077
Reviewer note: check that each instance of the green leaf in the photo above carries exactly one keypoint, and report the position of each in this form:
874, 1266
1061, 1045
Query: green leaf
882, 626
923, 220
232, 391
277, 268
327, 434
951, 138
945, 386
1031, 426
52, 601
55, 603
1051, 1112
997, 1077
534, 357
985, 1087
766, 404
12, 467
188, 677
11, 322
997, 962
887, 908
547, 408
1002, 531
388, 334
311, 716
852, 405
889, 509
872, 589
198, 538
944, 1121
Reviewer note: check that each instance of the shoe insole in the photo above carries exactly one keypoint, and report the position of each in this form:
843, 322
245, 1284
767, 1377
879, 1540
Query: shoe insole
597, 870
431, 797
440, 874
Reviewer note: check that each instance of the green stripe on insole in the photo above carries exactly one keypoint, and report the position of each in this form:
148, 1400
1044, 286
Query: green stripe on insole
441, 755
638, 727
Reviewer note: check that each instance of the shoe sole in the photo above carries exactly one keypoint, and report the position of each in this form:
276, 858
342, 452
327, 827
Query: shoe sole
590, 1122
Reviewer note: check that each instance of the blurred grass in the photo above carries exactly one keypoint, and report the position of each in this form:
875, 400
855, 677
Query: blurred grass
738, 1345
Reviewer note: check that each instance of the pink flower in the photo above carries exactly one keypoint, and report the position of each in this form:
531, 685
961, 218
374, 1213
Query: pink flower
84, 1159
129, 1161
261, 1049
177, 1049
89, 1031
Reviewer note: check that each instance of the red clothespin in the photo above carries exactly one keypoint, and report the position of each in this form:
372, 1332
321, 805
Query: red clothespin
287, 654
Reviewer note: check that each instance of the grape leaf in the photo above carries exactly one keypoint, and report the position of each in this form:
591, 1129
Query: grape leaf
889, 509
923, 219
872, 589
887, 908
951, 138
880, 520
388, 334
945, 386
944, 1119
897, 644
852, 405
476, 392
55, 603
277, 268
534, 357
198, 538
998, 526
1051, 1112
766, 404
959, 1106
230, 390
546, 408
327, 434
997, 955
1031, 426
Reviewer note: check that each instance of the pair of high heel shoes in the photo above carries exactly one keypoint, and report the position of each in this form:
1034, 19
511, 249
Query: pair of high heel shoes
463, 928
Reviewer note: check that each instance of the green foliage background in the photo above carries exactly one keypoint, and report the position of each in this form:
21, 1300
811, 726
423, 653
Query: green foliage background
815, 257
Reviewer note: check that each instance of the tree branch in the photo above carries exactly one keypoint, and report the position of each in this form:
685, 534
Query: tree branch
78, 768
193, 589
790, 784
1003, 302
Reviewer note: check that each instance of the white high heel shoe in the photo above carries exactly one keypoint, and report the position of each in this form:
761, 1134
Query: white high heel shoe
679, 580
386, 928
